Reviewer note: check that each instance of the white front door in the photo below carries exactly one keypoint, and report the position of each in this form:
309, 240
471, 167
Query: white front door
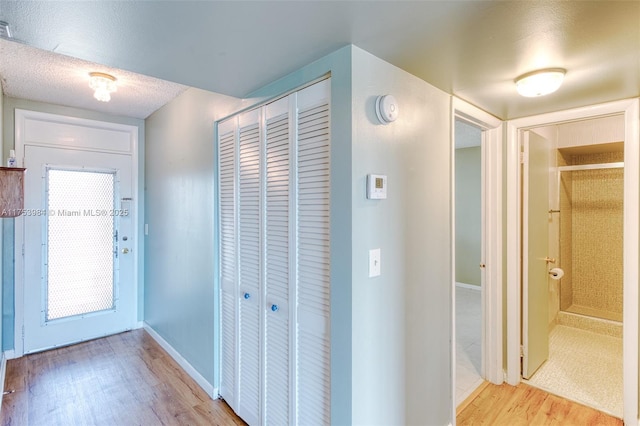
78, 240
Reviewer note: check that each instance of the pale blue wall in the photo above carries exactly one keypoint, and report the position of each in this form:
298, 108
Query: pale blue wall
8, 121
180, 297
401, 319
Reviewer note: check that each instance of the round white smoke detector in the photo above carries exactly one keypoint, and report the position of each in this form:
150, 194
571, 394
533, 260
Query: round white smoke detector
386, 109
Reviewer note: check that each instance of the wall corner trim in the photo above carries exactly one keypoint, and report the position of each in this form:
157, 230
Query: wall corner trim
188, 368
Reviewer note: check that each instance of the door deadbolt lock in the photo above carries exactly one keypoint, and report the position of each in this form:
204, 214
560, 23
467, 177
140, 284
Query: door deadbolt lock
125, 250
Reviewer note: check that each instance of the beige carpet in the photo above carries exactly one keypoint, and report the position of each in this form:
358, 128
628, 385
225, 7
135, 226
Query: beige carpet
585, 367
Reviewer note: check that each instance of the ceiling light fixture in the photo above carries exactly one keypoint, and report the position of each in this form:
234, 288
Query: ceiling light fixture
540, 82
103, 84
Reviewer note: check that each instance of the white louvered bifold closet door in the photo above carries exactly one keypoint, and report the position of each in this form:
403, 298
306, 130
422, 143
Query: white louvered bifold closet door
313, 338
274, 190
228, 294
278, 264
249, 250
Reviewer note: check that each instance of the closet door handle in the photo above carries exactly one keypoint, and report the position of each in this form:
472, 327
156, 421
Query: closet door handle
247, 296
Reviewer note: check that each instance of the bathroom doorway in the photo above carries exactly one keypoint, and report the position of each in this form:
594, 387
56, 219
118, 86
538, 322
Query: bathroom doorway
591, 284
581, 358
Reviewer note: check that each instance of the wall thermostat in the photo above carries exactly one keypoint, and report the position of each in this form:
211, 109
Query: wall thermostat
376, 187
386, 109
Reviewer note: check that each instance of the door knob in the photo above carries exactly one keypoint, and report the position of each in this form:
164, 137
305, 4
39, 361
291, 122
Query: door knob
125, 250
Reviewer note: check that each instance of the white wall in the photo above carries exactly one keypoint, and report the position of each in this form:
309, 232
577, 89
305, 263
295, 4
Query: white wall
401, 333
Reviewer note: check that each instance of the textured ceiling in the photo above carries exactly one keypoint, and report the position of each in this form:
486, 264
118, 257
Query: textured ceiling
39, 75
473, 49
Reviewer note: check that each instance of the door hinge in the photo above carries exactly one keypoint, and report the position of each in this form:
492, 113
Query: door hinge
521, 157
521, 351
22, 249
23, 332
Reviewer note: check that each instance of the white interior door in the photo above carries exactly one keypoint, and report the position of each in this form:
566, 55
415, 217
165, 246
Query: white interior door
78, 240
229, 300
250, 273
535, 246
279, 220
313, 314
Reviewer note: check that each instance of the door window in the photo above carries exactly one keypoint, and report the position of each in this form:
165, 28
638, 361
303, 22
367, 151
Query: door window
80, 259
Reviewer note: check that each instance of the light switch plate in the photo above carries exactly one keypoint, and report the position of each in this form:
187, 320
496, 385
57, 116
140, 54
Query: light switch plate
374, 263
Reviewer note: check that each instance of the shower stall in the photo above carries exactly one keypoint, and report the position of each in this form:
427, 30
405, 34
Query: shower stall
590, 219
586, 229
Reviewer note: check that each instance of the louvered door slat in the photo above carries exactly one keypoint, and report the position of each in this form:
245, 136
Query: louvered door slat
228, 346
227, 170
277, 272
249, 398
313, 344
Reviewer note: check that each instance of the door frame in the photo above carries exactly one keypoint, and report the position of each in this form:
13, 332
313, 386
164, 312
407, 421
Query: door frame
491, 244
631, 110
128, 138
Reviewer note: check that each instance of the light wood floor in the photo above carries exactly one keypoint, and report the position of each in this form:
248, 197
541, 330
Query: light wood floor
126, 379
526, 405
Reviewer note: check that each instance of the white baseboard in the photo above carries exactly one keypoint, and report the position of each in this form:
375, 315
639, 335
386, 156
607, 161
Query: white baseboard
139, 324
188, 368
3, 373
10, 354
468, 286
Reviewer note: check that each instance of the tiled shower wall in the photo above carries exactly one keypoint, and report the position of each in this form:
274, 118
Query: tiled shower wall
591, 231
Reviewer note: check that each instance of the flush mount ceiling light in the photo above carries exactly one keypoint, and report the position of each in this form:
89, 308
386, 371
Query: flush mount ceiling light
103, 84
540, 82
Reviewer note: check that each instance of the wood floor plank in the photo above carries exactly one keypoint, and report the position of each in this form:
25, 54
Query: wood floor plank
525, 405
15, 409
126, 379
219, 412
16, 378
